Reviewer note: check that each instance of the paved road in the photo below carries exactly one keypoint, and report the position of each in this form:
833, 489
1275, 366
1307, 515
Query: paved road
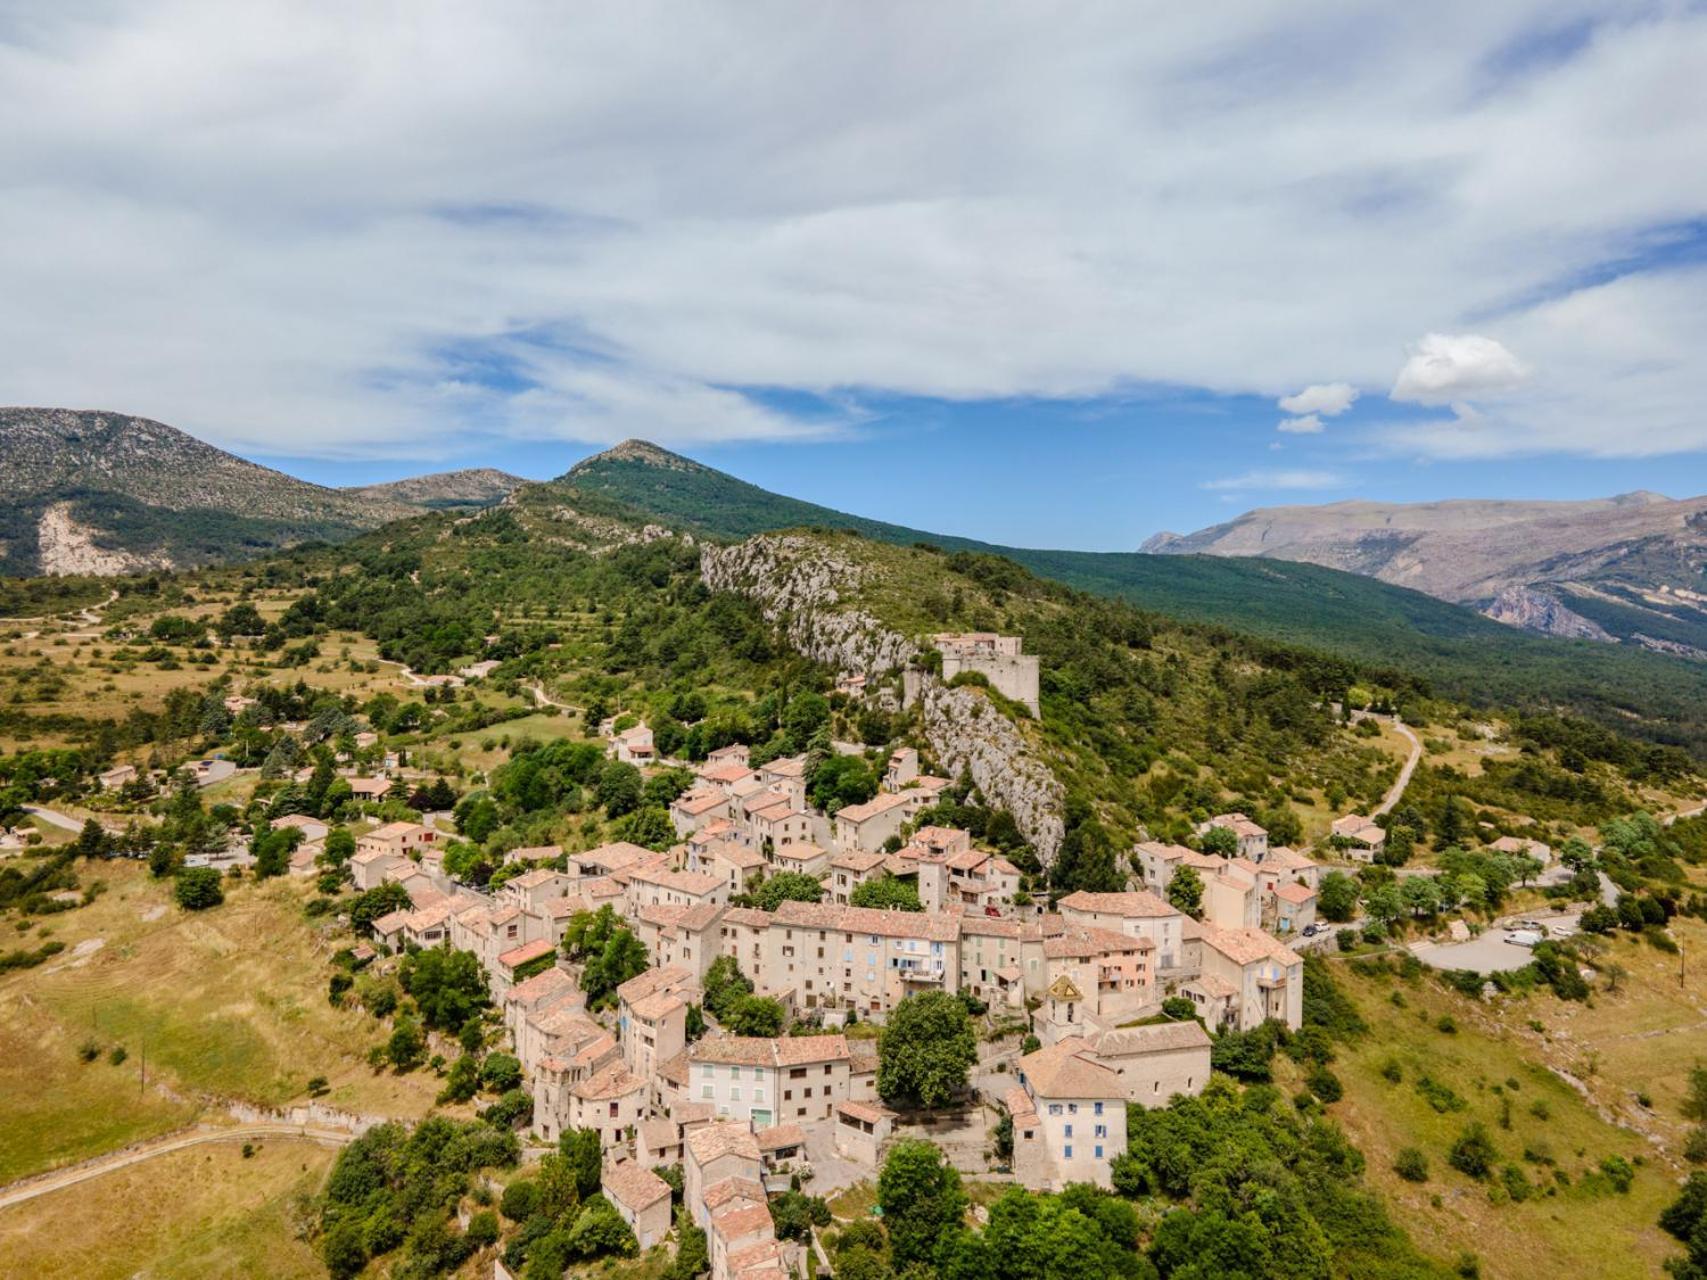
46, 1184
1397, 790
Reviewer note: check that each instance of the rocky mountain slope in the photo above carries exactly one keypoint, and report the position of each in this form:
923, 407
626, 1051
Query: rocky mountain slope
103, 493
1625, 568
472, 487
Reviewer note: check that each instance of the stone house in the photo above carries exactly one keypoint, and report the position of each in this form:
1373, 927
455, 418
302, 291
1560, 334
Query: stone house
1069, 1117
1139, 913
1155, 1062
611, 1100
641, 1198
867, 826
1253, 839
1265, 975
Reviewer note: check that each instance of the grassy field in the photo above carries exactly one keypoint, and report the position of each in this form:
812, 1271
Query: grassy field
203, 1212
228, 1003
1501, 1078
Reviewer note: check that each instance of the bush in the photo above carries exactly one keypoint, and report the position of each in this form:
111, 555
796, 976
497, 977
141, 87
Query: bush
1619, 1173
520, 1200
1325, 1085
1411, 1165
1473, 1154
1516, 1183
198, 888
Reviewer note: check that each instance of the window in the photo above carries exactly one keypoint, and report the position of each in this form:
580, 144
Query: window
705, 1092
1097, 1107
1067, 1152
1099, 1153
1072, 1108
1054, 1108
1102, 1131
1067, 1131
734, 1093
758, 1093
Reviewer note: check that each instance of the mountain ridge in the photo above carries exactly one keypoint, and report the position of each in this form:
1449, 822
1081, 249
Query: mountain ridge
1355, 616
1627, 569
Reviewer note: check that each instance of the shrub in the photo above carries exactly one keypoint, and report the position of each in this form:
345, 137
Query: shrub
1473, 1154
88, 1051
1411, 1165
1619, 1173
1325, 1085
1391, 1071
1516, 1182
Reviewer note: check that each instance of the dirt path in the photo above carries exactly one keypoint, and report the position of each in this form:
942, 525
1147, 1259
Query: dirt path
545, 699
47, 1183
1396, 792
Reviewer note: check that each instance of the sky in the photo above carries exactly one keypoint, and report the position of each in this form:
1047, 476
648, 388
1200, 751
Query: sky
1046, 274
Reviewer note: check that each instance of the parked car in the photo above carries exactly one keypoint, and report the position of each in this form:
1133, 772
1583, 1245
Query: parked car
1523, 937
1309, 931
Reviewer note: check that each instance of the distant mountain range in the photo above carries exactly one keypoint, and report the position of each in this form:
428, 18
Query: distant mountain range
101, 493
1627, 568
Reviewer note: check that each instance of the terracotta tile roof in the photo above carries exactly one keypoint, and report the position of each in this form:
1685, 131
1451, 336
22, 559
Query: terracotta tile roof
737, 1221
533, 879
898, 924
779, 1136
1214, 985
734, 1190
534, 853
1160, 849
655, 1135
653, 1007
613, 1081
727, 771
792, 1051
545, 983
1061, 1071
857, 861
721, 1139
1287, 859
393, 830
669, 978
618, 854
1139, 904
870, 1112
862, 1056
745, 1051
1084, 942
674, 1070
1157, 1037
391, 922
633, 1187
885, 803
695, 803
1019, 1105
1297, 894
1248, 946
751, 917
697, 919
527, 951
735, 855
787, 767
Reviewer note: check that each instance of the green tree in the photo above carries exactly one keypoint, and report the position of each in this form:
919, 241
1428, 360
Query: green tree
786, 886
926, 1051
406, 1047
1337, 897
619, 789
198, 888
887, 892
581, 1149
1223, 842
1185, 892
724, 986
449, 987
92, 840
1473, 1153
756, 1016
921, 1198
339, 846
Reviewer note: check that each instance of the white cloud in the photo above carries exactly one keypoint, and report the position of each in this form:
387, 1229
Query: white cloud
1309, 425
304, 227
1330, 399
1444, 367
1261, 479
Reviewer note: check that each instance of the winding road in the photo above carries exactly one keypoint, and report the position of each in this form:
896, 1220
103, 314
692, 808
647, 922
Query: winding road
59, 1179
1396, 792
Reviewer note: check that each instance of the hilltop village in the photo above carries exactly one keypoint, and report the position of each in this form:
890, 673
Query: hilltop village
661, 1084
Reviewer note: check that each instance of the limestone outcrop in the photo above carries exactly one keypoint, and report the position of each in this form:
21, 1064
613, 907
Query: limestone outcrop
803, 587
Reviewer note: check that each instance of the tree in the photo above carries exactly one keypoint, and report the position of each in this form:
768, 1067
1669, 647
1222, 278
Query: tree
724, 986
581, 1149
92, 840
272, 849
449, 986
500, 1073
756, 1016
1185, 891
611, 955
921, 1198
840, 781
619, 789
1221, 841
789, 886
1337, 898
340, 846
1411, 1165
381, 900
1384, 903
926, 1051
198, 888
794, 1214
887, 892
648, 826
1420, 895
407, 1045
600, 1232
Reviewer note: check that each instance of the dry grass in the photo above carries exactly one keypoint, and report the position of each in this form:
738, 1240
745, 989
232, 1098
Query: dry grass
1582, 1230
228, 1003
201, 1212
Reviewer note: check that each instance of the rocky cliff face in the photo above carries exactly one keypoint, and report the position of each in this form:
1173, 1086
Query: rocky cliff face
1537, 611
802, 587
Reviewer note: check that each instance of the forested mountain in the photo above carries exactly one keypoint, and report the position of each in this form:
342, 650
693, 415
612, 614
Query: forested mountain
85, 492
1627, 568
1460, 652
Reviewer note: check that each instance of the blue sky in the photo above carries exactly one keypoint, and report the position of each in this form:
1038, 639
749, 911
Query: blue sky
1046, 277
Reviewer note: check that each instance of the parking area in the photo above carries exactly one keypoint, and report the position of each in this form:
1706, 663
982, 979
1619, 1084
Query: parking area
1490, 953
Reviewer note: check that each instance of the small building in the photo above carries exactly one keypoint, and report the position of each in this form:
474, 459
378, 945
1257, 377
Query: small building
863, 1130
311, 828
641, 1198
1253, 839
119, 775
1360, 837
867, 826
1157, 1061
634, 746
1069, 1118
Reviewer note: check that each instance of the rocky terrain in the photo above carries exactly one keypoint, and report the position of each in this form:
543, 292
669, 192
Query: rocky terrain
1625, 568
801, 586
472, 487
